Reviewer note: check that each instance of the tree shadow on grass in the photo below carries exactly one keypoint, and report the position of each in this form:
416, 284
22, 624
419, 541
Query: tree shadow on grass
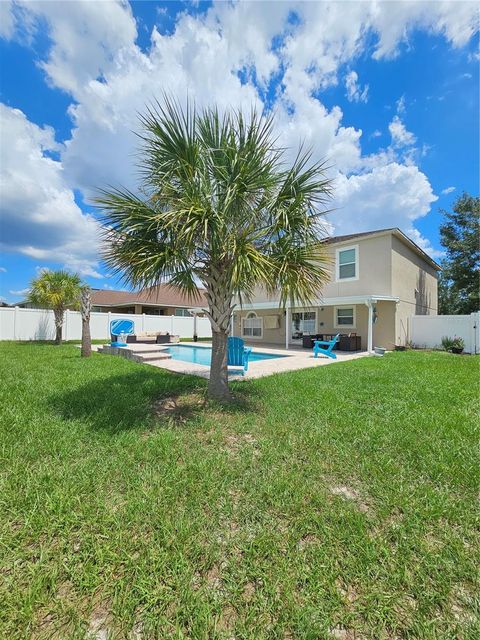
144, 399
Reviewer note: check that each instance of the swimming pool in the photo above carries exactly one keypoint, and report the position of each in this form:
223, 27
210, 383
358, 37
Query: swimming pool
203, 355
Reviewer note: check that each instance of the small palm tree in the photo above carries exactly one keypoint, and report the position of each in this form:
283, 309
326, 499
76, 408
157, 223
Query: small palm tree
57, 290
218, 206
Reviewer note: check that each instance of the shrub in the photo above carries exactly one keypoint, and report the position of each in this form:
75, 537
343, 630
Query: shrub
447, 343
453, 343
458, 343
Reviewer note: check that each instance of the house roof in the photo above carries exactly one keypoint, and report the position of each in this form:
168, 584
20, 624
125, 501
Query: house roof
161, 295
394, 231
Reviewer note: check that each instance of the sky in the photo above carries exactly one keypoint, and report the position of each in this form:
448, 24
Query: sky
386, 92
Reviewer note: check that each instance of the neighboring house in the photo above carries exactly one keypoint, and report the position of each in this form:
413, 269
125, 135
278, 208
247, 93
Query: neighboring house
379, 279
161, 300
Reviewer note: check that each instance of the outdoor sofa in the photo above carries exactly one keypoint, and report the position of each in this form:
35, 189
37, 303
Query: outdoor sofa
150, 337
346, 341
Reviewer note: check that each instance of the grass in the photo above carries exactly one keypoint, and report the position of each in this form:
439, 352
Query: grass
337, 502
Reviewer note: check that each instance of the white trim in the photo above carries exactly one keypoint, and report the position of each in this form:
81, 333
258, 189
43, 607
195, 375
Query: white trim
242, 322
345, 326
337, 263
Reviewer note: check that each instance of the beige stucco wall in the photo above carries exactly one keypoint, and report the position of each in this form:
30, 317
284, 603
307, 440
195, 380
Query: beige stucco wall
383, 329
326, 322
374, 269
415, 282
270, 336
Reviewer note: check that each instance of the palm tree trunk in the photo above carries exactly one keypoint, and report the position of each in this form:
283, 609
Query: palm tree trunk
86, 305
219, 298
58, 315
86, 350
218, 383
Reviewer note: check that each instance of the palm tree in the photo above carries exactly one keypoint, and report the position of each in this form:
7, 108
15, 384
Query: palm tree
218, 206
57, 290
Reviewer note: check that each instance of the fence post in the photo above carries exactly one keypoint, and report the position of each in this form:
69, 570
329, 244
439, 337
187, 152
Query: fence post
143, 322
474, 332
108, 325
15, 312
66, 325
172, 325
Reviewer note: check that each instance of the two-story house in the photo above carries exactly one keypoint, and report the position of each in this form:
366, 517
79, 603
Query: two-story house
379, 279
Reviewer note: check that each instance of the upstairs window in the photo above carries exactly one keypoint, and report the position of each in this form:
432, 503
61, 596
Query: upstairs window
347, 263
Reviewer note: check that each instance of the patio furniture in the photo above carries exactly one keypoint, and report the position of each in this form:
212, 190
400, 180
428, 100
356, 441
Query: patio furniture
350, 342
238, 353
166, 338
307, 340
119, 332
325, 348
152, 337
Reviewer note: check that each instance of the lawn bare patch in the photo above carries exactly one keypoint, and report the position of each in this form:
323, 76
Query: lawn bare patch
234, 443
178, 409
99, 623
352, 495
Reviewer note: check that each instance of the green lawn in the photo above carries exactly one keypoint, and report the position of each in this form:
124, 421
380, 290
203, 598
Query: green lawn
337, 502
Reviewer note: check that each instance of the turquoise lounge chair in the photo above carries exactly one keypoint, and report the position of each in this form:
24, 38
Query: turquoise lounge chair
120, 326
327, 349
238, 354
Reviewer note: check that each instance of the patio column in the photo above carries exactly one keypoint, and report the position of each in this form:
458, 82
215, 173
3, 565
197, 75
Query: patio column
370, 327
287, 324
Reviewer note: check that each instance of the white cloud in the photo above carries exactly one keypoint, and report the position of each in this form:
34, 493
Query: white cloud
39, 215
401, 108
447, 190
394, 21
376, 134
7, 20
21, 292
392, 195
423, 243
354, 92
3, 270
84, 35
94, 57
400, 136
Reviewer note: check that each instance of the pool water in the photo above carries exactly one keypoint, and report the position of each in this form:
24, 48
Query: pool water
203, 355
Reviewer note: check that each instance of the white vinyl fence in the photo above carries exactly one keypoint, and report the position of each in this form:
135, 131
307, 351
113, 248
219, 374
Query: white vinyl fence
38, 324
428, 331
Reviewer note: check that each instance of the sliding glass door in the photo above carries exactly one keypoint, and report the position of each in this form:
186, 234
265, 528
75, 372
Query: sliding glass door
303, 322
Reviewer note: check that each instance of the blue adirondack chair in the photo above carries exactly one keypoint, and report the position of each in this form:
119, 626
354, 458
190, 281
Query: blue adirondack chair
238, 354
120, 326
326, 349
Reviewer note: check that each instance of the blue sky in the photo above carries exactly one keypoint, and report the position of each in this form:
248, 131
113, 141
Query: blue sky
389, 95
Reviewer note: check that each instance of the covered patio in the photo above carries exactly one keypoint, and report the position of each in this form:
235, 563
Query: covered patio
363, 321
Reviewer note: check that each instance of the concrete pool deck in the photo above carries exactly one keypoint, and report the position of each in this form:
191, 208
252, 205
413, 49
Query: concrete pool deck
298, 358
